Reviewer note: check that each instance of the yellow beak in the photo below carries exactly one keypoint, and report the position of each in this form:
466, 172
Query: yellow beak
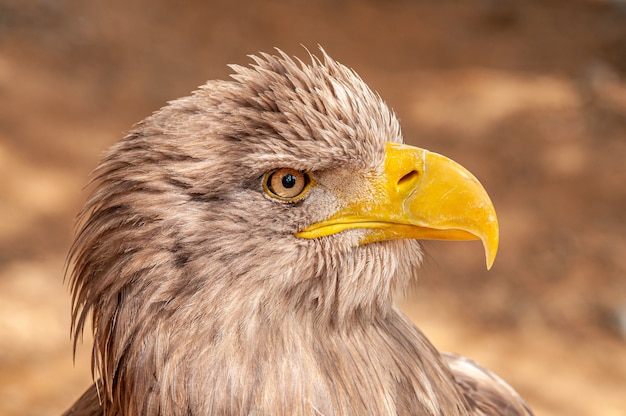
422, 195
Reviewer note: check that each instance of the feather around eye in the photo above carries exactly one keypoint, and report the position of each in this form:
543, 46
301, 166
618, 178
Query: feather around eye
286, 184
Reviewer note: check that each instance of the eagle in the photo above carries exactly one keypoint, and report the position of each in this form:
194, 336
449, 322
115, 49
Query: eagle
242, 248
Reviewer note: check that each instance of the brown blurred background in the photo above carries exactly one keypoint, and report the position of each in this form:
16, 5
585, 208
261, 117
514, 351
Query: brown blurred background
529, 95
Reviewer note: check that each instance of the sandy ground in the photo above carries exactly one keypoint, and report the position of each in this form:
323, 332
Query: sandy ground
529, 95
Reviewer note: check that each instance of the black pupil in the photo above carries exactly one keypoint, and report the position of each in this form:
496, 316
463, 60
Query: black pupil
289, 181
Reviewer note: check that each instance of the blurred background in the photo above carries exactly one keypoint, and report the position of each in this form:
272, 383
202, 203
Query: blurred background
529, 95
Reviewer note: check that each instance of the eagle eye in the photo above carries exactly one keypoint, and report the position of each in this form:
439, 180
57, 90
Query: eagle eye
286, 184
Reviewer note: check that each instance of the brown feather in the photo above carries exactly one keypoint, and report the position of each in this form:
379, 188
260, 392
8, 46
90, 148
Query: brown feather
201, 299
486, 393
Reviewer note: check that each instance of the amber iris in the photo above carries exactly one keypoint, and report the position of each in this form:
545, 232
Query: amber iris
286, 184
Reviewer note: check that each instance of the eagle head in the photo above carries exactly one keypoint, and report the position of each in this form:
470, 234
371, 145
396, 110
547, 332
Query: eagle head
240, 240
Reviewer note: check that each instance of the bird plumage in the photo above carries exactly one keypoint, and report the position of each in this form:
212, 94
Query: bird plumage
201, 298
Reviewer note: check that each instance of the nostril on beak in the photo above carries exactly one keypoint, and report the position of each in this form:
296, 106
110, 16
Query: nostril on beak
408, 178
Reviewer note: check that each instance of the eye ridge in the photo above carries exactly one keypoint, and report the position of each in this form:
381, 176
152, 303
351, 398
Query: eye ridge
286, 184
